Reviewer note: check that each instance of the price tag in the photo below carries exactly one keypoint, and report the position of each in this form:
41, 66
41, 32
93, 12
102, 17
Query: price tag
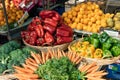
24, 17
112, 33
22, 5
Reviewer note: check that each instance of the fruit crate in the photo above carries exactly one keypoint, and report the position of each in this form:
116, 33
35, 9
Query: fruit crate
112, 6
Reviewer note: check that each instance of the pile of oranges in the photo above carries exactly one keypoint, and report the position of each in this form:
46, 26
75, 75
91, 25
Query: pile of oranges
86, 16
14, 14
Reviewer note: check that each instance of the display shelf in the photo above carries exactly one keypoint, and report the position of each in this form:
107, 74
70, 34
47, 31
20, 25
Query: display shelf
18, 28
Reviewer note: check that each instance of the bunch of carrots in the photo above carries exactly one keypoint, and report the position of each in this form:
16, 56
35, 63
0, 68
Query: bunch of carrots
91, 71
28, 69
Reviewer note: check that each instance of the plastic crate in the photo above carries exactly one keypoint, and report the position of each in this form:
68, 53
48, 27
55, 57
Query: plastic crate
113, 71
112, 6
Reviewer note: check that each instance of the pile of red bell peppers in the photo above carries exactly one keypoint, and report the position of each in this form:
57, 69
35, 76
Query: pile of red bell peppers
48, 30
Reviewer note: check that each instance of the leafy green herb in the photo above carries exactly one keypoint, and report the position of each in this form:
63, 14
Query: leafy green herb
59, 69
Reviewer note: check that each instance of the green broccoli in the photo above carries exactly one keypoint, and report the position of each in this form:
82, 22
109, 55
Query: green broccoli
2, 67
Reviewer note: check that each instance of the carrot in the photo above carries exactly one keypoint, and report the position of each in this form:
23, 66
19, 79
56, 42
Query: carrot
33, 64
32, 60
39, 57
31, 67
28, 76
51, 53
64, 54
89, 66
78, 61
34, 76
73, 57
93, 78
21, 76
47, 56
92, 69
82, 68
60, 53
96, 74
18, 71
95, 69
35, 57
43, 57
23, 69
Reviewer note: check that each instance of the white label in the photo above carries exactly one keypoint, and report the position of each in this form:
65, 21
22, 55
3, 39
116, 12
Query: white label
22, 5
25, 16
112, 33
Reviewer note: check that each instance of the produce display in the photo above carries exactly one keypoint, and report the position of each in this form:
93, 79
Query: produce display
54, 66
98, 46
114, 22
14, 14
12, 54
86, 16
49, 30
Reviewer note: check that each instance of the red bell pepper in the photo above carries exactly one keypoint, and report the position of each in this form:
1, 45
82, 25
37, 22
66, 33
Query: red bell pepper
40, 41
33, 37
24, 33
51, 22
49, 28
33, 34
61, 32
56, 16
39, 30
49, 38
61, 40
46, 14
36, 21
67, 28
30, 27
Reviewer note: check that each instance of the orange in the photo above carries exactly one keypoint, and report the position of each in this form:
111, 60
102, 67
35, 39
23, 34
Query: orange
10, 20
85, 21
77, 9
74, 13
1, 18
73, 19
94, 30
74, 25
2, 23
82, 20
100, 12
84, 27
70, 16
79, 16
79, 26
93, 19
77, 20
64, 14
89, 23
68, 20
98, 22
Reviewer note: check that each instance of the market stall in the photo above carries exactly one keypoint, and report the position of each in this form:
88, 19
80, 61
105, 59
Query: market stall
47, 42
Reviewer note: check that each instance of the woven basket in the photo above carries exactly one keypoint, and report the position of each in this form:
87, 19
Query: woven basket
46, 48
99, 61
7, 77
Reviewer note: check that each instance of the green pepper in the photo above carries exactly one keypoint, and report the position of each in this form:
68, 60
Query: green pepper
95, 42
106, 46
94, 35
103, 37
107, 54
110, 40
117, 44
115, 51
86, 39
